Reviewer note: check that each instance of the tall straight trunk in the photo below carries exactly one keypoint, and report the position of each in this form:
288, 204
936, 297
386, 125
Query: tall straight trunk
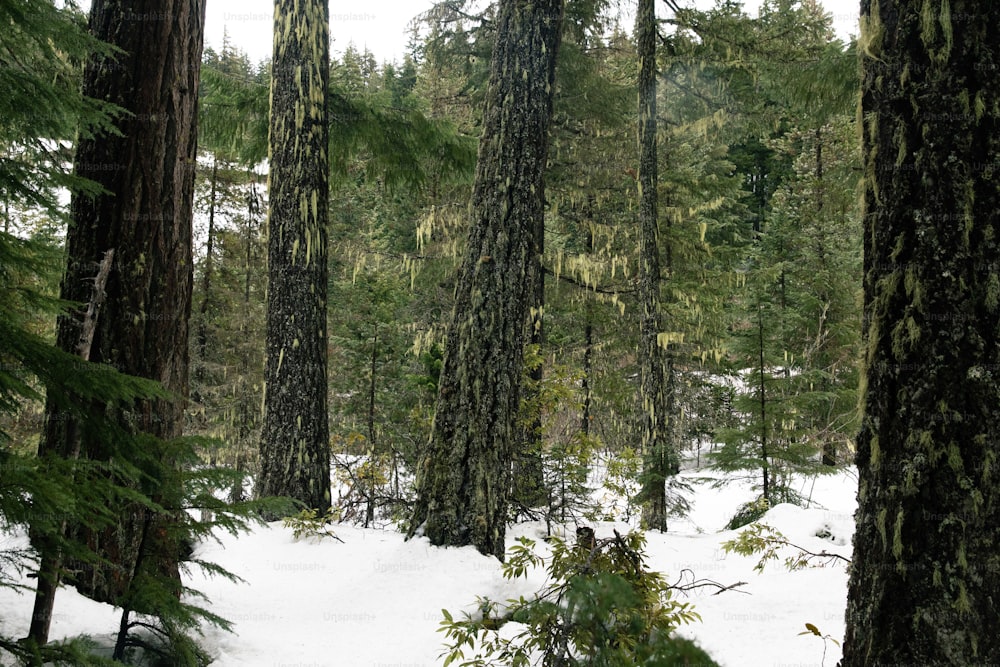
201, 335
658, 461
145, 214
829, 454
247, 408
588, 350
765, 467
295, 443
925, 579
464, 477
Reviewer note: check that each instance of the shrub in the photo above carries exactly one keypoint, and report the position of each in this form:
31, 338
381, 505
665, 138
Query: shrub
602, 606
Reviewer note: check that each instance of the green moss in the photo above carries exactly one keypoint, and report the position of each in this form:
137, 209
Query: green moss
986, 477
992, 299
899, 139
897, 536
961, 604
928, 24
955, 457
880, 526
872, 33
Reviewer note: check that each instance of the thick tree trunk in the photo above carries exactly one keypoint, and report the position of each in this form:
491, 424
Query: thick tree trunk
148, 173
295, 443
659, 461
529, 473
925, 579
464, 478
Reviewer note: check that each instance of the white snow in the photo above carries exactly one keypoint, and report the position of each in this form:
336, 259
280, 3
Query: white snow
375, 600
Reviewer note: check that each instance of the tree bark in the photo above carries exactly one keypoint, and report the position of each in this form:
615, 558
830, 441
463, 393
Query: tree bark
925, 580
295, 443
145, 215
529, 473
464, 478
659, 461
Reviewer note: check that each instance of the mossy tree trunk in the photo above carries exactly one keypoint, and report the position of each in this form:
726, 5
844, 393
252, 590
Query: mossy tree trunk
145, 215
529, 472
295, 447
925, 582
655, 392
464, 477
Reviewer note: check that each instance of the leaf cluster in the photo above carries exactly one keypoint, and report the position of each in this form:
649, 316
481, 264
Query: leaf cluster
601, 606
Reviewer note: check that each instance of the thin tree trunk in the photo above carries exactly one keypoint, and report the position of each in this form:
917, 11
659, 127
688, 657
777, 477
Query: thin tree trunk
464, 478
925, 578
201, 336
50, 563
655, 417
762, 391
829, 455
295, 443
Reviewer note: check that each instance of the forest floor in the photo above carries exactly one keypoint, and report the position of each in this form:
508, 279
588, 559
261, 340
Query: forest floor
375, 600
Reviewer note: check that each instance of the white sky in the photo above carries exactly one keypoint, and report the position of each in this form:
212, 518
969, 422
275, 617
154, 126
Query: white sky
381, 25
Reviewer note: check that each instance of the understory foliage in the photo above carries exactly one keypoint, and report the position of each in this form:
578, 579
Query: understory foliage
765, 541
601, 605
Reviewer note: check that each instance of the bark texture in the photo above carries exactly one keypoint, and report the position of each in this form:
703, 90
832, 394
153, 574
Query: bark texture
925, 580
295, 443
464, 478
145, 216
655, 392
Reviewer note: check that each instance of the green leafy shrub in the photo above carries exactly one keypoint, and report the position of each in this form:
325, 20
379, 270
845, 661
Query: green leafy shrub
764, 540
309, 523
748, 513
601, 606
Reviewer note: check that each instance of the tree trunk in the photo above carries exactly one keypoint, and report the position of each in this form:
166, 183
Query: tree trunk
145, 215
295, 443
765, 466
201, 335
529, 474
829, 455
464, 477
659, 462
925, 579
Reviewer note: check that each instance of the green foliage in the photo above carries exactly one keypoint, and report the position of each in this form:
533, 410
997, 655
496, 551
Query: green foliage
765, 541
748, 513
601, 606
43, 46
621, 472
161, 616
309, 523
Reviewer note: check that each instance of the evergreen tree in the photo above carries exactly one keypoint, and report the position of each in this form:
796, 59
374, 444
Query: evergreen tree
925, 577
463, 482
145, 171
295, 441
657, 388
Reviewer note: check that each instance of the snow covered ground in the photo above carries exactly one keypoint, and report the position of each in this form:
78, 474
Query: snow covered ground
375, 600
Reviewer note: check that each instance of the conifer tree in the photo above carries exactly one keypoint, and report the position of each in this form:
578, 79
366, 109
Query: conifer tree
464, 479
144, 214
657, 388
925, 577
295, 441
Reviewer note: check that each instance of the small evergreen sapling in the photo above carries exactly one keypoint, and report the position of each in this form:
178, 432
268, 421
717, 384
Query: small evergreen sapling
601, 606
